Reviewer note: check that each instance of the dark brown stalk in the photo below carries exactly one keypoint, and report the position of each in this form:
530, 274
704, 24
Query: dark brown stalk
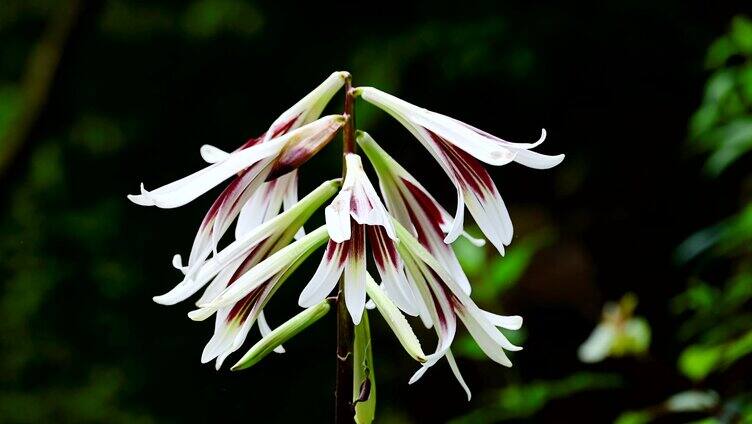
37, 80
343, 412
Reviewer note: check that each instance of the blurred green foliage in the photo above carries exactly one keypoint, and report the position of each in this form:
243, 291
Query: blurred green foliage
145, 83
525, 399
714, 309
717, 315
722, 126
492, 274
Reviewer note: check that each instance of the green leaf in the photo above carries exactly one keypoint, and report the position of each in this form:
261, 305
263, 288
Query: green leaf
744, 81
696, 362
735, 139
719, 52
741, 33
738, 349
364, 377
634, 417
703, 120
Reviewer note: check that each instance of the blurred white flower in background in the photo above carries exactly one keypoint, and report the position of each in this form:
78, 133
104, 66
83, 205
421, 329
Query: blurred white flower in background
618, 334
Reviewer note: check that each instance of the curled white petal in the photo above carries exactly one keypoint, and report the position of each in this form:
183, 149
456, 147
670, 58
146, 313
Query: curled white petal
212, 154
189, 188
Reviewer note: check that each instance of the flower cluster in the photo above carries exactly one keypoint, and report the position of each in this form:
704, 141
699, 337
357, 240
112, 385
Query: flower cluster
408, 235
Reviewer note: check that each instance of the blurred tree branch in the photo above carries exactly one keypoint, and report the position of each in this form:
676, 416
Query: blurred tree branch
40, 72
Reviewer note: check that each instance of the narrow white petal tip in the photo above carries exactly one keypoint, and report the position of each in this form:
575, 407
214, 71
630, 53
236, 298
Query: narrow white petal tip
140, 200
558, 159
475, 241
542, 136
414, 378
200, 314
370, 305
478, 242
143, 199
451, 238
211, 154
356, 316
514, 323
220, 360
308, 301
177, 262
166, 299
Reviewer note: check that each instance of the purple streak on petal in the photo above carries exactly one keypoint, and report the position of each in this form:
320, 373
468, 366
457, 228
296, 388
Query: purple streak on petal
376, 247
297, 153
467, 169
241, 309
284, 127
425, 201
251, 142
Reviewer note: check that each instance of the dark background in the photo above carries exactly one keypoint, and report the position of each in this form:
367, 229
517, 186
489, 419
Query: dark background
141, 86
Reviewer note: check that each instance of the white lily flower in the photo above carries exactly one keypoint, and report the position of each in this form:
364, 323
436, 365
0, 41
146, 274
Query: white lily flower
445, 301
233, 322
252, 165
458, 148
414, 207
355, 212
282, 190
619, 333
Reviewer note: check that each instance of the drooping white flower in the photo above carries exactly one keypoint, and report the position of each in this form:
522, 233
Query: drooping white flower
281, 188
252, 166
356, 213
459, 148
256, 186
414, 207
444, 301
234, 321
